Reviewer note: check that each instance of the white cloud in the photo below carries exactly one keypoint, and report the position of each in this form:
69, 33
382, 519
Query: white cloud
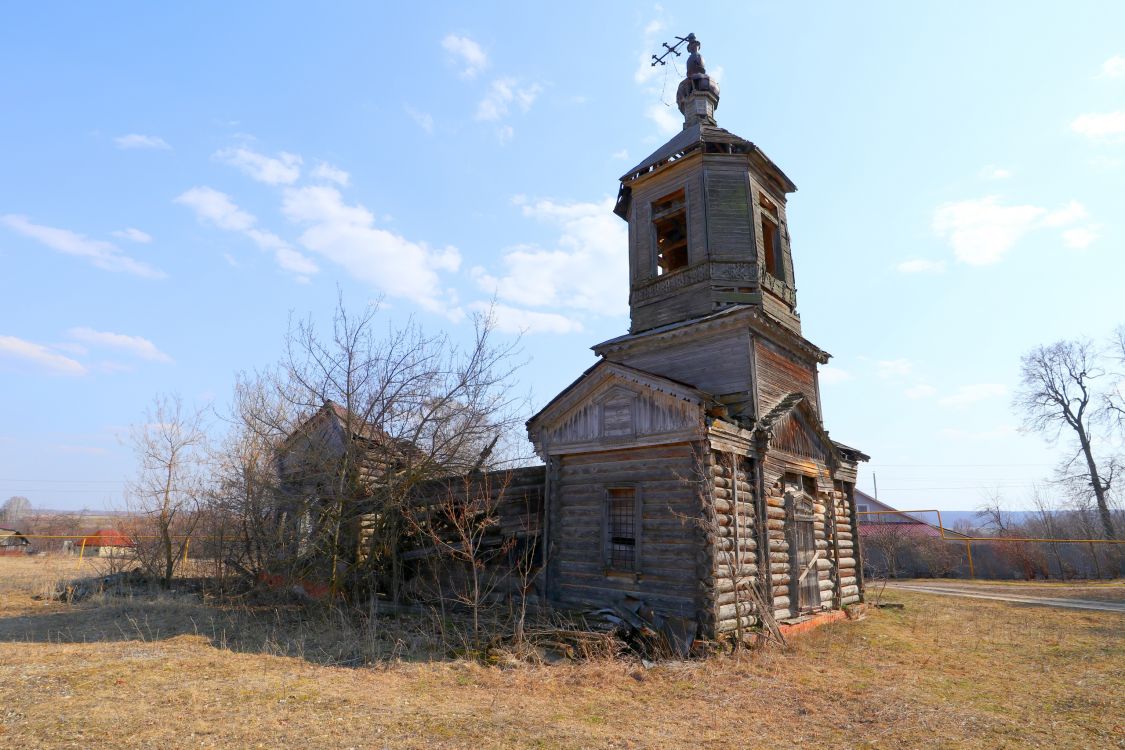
285, 169
1100, 125
982, 231
217, 208
920, 391
423, 120
214, 207
501, 94
103, 255
668, 119
505, 133
133, 235
135, 345
514, 320
13, 348
646, 72
1114, 67
1072, 212
466, 53
138, 141
586, 271
329, 173
893, 368
919, 265
992, 172
830, 375
621, 155
971, 394
1080, 238
347, 235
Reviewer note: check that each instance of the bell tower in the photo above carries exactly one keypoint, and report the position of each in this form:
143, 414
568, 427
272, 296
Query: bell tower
707, 225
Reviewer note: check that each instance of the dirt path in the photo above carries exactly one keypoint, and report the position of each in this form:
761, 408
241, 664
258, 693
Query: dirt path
953, 589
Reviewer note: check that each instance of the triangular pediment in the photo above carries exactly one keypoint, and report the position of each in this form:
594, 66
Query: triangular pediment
613, 405
793, 426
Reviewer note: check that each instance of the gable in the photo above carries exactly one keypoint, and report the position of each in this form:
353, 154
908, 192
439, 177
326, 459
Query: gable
792, 426
613, 406
793, 434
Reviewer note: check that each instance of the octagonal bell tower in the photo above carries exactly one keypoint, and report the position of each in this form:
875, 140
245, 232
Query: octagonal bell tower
707, 225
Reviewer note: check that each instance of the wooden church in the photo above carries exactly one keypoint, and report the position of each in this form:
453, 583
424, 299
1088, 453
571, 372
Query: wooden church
688, 471
690, 468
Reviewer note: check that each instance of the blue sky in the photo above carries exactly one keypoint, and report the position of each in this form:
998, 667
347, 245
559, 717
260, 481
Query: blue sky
176, 180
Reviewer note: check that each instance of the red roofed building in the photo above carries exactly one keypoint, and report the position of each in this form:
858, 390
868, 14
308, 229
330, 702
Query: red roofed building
107, 543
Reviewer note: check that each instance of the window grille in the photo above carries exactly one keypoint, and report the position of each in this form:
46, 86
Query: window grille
621, 552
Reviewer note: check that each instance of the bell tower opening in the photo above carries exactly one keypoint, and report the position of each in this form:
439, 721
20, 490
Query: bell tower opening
771, 238
669, 219
707, 223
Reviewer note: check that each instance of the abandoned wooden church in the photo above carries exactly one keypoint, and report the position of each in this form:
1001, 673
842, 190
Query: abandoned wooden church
689, 468
691, 462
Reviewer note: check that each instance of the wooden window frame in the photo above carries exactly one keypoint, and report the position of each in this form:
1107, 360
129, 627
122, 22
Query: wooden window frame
658, 216
607, 542
773, 241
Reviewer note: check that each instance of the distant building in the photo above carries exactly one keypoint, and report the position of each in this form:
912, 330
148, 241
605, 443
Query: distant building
106, 543
13, 542
872, 513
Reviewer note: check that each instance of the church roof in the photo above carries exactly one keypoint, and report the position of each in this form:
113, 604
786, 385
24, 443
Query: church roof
694, 137
636, 373
734, 312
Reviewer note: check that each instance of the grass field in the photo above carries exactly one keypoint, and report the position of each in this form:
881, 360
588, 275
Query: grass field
172, 671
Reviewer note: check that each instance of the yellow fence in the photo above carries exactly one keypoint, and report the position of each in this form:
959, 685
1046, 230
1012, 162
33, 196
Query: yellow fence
968, 540
84, 537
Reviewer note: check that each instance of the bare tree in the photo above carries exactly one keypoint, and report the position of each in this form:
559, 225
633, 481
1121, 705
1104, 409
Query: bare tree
329, 445
1048, 519
1024, 557
940, 556
167, 493
892, 540
1113, 399
459, 530
14, 509
1059, 395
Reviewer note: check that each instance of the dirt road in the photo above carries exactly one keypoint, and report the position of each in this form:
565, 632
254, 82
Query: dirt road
974, 592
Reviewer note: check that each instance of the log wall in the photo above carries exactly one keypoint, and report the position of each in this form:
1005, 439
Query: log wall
732, 537
670, 541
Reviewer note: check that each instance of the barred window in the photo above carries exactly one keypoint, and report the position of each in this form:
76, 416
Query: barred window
621, 528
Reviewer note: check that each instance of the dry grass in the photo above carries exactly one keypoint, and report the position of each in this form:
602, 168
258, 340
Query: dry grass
972, 673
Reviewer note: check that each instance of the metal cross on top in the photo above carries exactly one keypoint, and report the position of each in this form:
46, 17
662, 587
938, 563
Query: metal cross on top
674, 49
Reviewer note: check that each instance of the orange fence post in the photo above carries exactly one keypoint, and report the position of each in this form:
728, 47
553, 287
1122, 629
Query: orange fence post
81, 554
969, 552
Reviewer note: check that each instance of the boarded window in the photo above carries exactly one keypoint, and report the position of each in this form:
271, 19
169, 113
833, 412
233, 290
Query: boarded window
669, 219
621, 529
617, 417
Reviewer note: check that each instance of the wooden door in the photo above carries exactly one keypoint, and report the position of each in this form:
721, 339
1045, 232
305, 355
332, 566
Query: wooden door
805, 559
